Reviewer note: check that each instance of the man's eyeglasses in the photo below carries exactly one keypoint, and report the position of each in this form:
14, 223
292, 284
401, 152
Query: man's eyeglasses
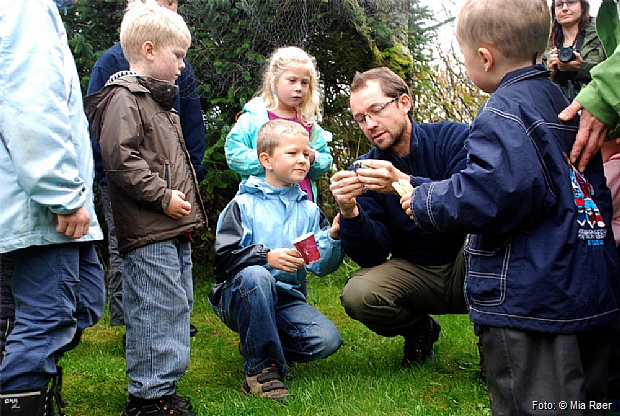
373, 111
560, 4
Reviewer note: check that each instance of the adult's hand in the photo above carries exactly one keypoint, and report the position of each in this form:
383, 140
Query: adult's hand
74, 225
379, 176
590, 137
334, 232
346, 186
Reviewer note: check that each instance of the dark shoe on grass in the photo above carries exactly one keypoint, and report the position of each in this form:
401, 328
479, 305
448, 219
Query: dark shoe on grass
192, 330
165, 406
266, 384
419, 342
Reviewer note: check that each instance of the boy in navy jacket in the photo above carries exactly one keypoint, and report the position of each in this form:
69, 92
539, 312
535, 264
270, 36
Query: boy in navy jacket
542, 272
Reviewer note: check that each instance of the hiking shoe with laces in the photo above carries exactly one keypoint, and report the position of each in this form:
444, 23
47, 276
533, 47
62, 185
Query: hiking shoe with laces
419, 343
267, 384
172, 405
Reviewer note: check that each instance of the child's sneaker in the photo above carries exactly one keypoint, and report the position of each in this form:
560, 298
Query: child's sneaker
267, 384
172, 405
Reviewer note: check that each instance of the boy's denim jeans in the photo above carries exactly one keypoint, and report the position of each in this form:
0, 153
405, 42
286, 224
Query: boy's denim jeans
59, 291
273, 329
157, 301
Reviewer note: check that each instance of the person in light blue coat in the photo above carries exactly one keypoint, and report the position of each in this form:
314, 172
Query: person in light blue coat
290, 91
260, 276
47, 222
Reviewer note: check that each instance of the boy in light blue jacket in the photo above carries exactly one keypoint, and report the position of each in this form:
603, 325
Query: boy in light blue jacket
47, 222
260, 276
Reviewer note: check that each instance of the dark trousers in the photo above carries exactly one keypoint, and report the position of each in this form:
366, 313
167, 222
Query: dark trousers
532, 373
7, 302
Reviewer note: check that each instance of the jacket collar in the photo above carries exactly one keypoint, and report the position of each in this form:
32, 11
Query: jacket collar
163, 92
523, 73
255, 185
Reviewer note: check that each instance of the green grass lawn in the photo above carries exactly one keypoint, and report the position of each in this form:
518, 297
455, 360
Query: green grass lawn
363, 378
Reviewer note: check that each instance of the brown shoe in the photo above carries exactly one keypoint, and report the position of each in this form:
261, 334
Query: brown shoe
267, 384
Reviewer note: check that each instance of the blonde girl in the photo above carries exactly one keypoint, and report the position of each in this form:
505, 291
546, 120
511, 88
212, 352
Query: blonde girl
290, 91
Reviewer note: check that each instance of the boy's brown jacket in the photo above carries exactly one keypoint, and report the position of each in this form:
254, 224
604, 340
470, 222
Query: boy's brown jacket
144, 159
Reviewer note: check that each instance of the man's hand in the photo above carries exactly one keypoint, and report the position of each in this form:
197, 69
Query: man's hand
346, 186
74, 225
334, 232
178, 206
379, 176
285, 259
590, 137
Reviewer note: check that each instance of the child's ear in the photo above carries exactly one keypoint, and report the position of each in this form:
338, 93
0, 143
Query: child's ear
148, 50
486, 56
265, 161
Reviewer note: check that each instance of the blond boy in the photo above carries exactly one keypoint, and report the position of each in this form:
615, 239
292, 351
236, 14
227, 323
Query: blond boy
260, 276
542, 275
155, 202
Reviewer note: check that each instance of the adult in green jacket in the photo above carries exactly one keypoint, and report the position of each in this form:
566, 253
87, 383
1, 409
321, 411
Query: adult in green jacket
599, 101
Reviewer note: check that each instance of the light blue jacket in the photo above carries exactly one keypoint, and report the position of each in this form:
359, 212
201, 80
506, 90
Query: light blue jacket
261, 218
46, 163
240, 147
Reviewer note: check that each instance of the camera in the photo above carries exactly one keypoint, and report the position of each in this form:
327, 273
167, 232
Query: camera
566, 54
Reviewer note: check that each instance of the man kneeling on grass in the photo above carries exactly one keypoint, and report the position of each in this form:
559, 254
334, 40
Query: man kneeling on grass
260, 276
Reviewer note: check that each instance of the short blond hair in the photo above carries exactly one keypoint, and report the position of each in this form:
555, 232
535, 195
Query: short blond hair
281, 60
516, 28
145, 21
271, 133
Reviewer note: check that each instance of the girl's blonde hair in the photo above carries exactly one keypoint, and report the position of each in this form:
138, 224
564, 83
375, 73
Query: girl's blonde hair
516, 28
145, 20
283, 59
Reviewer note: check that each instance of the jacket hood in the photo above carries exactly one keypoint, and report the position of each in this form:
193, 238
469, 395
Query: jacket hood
258, 186
163, 92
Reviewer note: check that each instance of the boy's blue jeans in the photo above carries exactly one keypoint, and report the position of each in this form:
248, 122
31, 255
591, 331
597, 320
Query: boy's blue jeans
157, 301
59, 291
273, 329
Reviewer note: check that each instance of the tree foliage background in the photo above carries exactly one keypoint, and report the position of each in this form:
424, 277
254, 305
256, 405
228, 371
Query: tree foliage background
231, 40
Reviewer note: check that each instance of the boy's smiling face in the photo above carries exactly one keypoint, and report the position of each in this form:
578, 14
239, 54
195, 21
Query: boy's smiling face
289, 163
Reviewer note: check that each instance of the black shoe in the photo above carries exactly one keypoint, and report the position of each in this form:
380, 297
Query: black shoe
419, 342
192, 330
164, 406
55, 404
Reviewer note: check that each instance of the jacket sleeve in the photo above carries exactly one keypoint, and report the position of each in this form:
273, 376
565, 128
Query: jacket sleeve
192, 122
240, 147
120, 151
366, 238
319, 139
502, 187
330, 249
231, 256
38, 77
601, 96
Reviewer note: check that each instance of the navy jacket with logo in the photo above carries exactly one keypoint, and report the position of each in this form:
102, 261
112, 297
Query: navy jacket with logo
540, 252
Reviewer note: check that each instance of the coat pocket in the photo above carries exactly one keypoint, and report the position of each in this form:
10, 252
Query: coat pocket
487, 266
